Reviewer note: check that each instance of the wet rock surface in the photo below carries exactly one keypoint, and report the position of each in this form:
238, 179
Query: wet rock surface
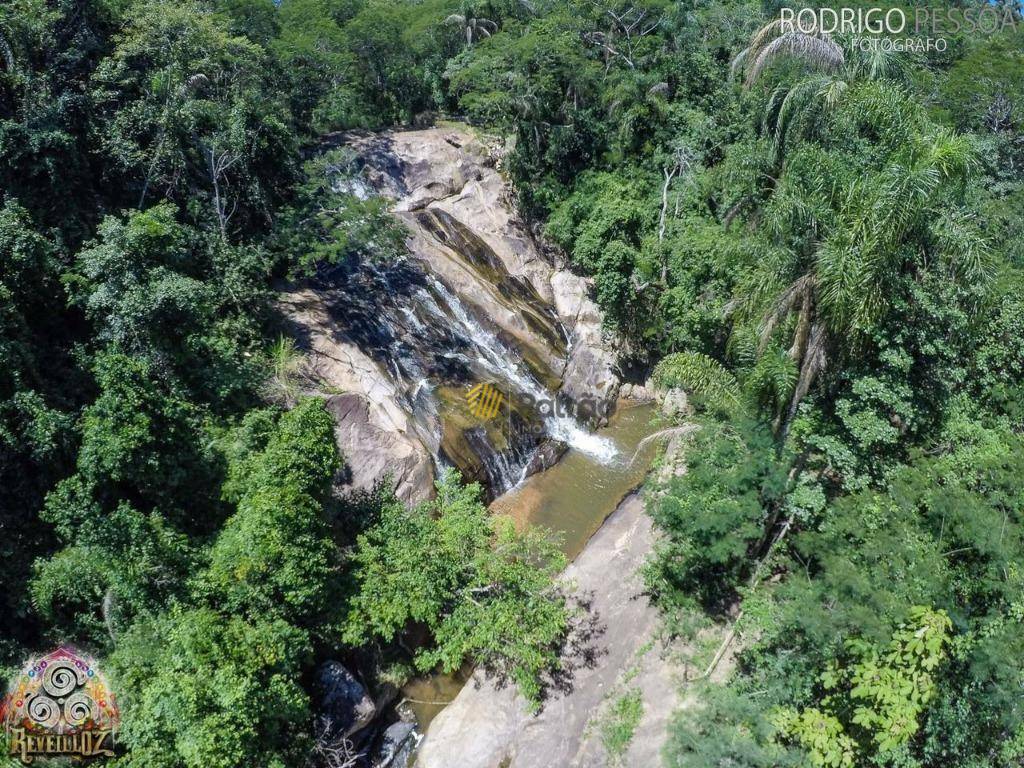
396, 746
477, 301
374, 429
343, 705
450, 171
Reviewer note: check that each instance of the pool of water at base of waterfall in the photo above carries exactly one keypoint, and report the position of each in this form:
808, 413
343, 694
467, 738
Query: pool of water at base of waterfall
571, 499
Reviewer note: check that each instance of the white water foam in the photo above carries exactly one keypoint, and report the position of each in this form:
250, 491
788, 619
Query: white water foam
500, 361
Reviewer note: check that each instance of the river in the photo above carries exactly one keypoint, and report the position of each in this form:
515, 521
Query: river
571, 499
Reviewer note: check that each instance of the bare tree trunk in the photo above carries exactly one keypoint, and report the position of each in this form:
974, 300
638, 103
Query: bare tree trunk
813, 364
755, 577
219, 165
6, 54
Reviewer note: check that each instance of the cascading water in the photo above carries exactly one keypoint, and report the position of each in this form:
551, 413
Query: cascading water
426, 337
451, 316
502, 362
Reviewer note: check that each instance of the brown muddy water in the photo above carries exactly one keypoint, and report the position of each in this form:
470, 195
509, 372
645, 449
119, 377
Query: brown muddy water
571, 499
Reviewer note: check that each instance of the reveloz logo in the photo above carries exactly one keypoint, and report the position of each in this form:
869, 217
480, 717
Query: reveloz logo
60, 705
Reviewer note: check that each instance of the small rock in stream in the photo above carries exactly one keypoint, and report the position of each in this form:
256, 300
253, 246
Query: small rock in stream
396, 747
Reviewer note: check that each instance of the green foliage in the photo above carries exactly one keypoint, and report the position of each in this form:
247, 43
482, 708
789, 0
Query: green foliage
274, 557
818, 258
713, 516
186, 112
882, 691
176, 297
217, 682
355, 64
336, 221
202, 689
698, 374
36, 425
603, 226
485, 592
618, 724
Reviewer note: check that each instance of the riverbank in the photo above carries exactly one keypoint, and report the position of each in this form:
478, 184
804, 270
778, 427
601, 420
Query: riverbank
572, 499
490, 726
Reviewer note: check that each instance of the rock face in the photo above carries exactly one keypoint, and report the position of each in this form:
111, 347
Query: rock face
639, 393
375, 434
450, 175
397, 348
378, 450
343, 707
488, 727
396, 746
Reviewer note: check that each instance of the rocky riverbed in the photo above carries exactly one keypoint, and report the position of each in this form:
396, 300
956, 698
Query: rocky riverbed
491, 727
478, 300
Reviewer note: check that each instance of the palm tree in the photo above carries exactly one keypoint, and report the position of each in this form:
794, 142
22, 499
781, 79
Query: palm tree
847, 281
473, 26
836, 291
773, 42
832, 73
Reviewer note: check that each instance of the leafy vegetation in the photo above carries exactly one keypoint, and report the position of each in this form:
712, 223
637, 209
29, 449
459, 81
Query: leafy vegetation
470, 579
619, 723
821, 245
167, 494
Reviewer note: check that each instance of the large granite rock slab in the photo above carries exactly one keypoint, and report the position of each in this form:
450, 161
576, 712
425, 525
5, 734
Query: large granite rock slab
448, 172
490, 727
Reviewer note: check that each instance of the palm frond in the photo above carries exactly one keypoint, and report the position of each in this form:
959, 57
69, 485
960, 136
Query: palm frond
795, 295
843, 284
877, 63
963, 248
802, 102
773, 378
770, 43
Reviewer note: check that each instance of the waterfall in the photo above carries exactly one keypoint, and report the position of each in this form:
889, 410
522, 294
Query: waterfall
504, 364
452, 315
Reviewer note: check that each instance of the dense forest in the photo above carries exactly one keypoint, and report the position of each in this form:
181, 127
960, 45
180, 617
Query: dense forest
821, 245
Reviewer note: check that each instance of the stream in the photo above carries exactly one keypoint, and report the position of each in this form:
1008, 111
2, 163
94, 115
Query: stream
571, 499
404, 347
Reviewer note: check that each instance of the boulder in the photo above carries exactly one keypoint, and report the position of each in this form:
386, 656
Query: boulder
373, 452
451, 174
343, 705
675, 403
375, 434
395, 348
547, 455
593, 354
637, 393
396, 746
